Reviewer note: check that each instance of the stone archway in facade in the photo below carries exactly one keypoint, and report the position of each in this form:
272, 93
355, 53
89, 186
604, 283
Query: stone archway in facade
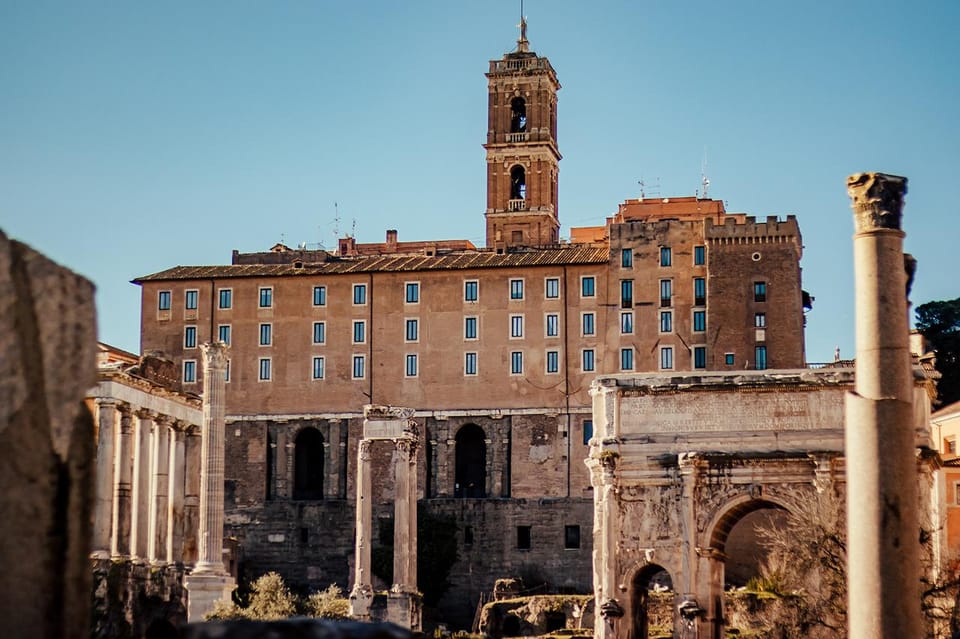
642, 583
470, 474
308, 464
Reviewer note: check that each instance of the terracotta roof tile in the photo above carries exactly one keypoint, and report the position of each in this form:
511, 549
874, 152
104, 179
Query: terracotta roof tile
389, 263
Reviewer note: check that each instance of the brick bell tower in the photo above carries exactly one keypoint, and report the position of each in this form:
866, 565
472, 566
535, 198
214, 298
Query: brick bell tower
522, 158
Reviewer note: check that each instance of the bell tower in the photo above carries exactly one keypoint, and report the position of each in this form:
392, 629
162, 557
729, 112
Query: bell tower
522, 157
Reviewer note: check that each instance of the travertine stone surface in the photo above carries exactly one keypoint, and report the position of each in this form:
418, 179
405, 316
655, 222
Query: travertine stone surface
47, 362
877, 200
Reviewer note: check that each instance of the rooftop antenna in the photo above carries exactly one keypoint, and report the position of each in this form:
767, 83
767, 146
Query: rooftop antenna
283, 239
642, 186
336, 222
704, 180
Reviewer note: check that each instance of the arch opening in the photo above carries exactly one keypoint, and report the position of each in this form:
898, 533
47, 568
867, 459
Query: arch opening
518, 183
470, 475
518, 115
652, 578
308, 464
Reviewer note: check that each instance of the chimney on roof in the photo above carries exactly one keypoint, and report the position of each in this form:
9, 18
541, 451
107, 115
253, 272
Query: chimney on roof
391, 237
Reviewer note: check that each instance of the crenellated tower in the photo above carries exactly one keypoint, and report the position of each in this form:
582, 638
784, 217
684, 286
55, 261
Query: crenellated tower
523, 161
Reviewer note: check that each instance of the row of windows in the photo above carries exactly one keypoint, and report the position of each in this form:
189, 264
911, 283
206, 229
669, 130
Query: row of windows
666, 256
470, 368
412, 328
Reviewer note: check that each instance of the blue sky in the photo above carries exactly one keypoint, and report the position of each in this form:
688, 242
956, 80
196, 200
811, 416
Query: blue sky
139, 136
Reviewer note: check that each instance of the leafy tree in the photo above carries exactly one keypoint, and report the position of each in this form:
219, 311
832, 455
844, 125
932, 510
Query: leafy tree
271, 599
939, 322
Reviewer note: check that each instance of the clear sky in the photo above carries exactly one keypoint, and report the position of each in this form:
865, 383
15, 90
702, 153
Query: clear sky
136, 136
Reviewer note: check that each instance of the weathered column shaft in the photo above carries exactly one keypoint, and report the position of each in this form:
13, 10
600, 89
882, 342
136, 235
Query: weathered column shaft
159, 484
191, 498
211, 458
882, 523
122, 517
174, 541
412, 497
140, 506
103, 504
361, 575
401, 516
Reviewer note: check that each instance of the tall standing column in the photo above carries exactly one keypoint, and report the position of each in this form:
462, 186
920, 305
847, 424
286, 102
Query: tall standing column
401, 518
362, 593
883, 547
103, 506
191, 496
209, 581
159, 484
121, 520
176, 481
140, 502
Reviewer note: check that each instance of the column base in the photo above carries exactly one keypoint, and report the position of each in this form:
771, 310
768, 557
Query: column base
204, 590
404, 609
361, 600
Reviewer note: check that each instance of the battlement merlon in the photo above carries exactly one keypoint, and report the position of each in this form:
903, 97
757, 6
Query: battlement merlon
749, 228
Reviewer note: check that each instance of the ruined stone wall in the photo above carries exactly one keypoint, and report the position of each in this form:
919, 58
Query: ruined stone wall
132, 600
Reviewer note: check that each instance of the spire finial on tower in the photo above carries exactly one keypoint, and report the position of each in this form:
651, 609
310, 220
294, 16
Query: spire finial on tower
523, 45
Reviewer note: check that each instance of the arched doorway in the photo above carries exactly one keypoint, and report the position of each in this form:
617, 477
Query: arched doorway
470, 475
744, 549
308, 465
650, 578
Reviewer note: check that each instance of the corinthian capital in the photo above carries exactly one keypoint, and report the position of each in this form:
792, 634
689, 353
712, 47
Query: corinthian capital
214, 355
877, 200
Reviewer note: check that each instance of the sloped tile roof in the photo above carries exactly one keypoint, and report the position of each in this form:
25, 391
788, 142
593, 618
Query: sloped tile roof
389, 264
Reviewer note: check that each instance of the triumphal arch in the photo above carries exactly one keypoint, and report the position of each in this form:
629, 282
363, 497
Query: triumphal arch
677, 460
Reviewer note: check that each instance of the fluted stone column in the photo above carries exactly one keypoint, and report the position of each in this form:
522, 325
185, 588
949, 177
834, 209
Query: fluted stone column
209, 581
103, 506
191, 496
882, 522
121, 519
362, 594
401, 519
175, 491
140, 498
159, 485
610, 607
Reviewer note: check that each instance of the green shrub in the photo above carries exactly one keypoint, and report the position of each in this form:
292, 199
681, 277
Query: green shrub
328, 604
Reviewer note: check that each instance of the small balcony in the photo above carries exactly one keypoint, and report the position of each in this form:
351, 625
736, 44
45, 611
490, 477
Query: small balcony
516, 205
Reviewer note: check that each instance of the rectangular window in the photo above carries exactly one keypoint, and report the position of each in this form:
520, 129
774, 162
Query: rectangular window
359, 368
163, 301
359, 294
189, 371
523, 537
553, 361
266, 334
317, 368
571, 537
666, 358
587, 431
471, 291
516, 363
516, 326
264, 375
319, 332
699, 255
359, 331
699, 321
586, 360
699, 291
552, 288
626, 258
319, 295
226, 298
666, 321
956, 495
412, 330
699, 356
223, 333
553, 324
760, 320
626, 293
266, 297
666, 293
516, 289
588, 286
626, 323
412, 293
729, 359
191, 299
469, 328
760, 355
665, 257
626, 359
759, 291
588, 325
469, 363
190, 337
411, 365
